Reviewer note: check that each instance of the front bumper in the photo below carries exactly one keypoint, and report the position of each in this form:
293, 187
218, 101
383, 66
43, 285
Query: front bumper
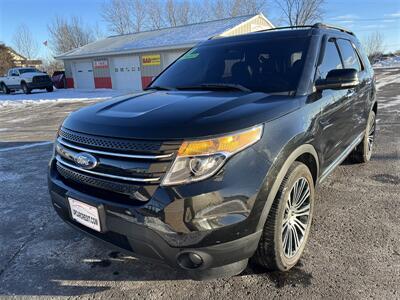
40, 85
213, 219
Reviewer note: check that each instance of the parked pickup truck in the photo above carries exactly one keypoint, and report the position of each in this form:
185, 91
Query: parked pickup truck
217, 162
25, 79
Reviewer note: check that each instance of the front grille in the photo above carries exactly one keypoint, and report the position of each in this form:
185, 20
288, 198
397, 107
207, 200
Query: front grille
40, 78
124, 168
130, 190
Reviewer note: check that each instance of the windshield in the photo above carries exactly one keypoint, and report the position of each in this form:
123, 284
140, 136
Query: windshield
270, 66
28, 70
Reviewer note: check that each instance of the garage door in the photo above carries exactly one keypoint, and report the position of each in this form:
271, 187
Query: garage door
83, 74
125, 73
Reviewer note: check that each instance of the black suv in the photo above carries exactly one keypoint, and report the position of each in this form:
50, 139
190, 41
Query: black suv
217, 161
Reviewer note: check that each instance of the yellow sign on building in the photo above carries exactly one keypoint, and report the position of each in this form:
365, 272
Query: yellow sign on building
151, 60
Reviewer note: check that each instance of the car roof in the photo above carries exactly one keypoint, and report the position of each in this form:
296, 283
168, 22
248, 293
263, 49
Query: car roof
286, 32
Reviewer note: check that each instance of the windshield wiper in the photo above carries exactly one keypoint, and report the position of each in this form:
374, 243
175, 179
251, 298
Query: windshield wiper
159, 88
215, 86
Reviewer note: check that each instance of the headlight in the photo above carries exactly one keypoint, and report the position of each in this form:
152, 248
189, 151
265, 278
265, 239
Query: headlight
198, 160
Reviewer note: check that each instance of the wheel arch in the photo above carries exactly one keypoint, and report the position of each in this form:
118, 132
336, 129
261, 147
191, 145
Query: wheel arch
306, 154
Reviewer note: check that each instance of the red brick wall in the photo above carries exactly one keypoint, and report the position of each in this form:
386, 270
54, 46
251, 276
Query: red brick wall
102, 83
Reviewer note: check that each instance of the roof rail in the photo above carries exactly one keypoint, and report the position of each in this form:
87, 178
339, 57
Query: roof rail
327, 26
316, 25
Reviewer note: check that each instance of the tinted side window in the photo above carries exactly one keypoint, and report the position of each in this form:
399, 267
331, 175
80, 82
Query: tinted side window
350, 58
331, 60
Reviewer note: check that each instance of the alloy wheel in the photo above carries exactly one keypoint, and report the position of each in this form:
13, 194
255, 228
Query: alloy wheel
296, 217
371, 135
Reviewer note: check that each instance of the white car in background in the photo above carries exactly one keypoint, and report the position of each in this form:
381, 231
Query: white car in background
25, 79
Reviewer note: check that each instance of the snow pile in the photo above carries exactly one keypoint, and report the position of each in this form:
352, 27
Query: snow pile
67, 95
391, 62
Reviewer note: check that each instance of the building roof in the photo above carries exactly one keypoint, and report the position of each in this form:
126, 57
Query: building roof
167, 38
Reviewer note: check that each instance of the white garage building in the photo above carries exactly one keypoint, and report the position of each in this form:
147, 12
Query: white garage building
129, 62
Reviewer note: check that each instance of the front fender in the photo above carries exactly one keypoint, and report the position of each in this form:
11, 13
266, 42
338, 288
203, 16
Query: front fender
278, 171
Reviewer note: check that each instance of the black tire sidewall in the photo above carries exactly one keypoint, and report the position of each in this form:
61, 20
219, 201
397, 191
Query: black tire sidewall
300, 170
25, 88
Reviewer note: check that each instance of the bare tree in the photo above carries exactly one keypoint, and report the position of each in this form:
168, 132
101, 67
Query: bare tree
155, 12
172, 14
126, 16
50, 65
24, 42
138, 14
245, 7
68, 34
374, 46
6, 59
220, 9
301, 12
179, 12
116, 14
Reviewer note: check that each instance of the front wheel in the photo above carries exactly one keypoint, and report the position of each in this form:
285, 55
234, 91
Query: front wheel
288, 224
25, 88
363, 152
49, 89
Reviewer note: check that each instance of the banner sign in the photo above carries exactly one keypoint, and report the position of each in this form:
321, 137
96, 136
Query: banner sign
100, 64
151, 60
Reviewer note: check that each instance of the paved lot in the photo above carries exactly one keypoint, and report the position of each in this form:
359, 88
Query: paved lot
353, 252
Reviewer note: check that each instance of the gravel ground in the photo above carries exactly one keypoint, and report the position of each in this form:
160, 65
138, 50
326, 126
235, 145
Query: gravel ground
353, 251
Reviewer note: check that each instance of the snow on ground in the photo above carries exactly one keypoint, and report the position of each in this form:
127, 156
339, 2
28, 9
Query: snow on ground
62, 95
387, 78
391, 62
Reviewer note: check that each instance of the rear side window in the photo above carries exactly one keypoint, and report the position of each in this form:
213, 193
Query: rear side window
331, 60
349, 55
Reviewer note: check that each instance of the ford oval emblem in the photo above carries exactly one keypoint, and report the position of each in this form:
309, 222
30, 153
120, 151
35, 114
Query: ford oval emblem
86, 160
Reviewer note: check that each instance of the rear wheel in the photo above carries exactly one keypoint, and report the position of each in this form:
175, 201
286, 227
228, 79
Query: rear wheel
288, 224
5, 89
363, 152
49, 89
25, 88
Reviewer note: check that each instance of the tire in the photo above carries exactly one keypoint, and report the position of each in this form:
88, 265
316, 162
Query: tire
273, 253
25, 88
5, 89
363, 152
49, 89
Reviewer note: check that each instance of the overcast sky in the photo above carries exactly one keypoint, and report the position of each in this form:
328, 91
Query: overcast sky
361, 16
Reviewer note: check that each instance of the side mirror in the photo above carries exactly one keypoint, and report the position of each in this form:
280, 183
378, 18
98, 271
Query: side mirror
338, 79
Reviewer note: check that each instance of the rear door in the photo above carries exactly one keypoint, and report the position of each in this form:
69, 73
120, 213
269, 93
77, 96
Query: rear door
358, 95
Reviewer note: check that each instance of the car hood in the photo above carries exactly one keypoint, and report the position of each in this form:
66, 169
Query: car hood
32, 74
179, 114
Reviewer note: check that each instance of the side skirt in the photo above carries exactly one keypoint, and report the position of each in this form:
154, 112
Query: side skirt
341, 157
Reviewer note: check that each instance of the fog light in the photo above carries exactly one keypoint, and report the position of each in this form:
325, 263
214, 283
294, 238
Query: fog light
189, 260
